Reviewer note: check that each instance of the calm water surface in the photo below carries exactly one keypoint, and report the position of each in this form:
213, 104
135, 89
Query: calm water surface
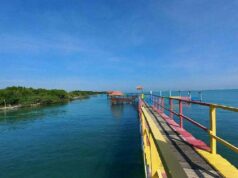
91, 138
85, 138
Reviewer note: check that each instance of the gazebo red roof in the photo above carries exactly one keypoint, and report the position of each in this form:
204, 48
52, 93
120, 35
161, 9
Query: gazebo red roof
116, 93
139, 87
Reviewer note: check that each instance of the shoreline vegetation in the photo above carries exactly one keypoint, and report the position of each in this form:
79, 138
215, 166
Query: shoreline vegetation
19, 97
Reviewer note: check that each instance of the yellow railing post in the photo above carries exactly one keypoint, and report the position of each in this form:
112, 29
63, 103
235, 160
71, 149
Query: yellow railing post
213, 142
142, 96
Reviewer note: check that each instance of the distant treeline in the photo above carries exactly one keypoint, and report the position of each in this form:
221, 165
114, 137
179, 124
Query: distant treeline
83, 94
23, 96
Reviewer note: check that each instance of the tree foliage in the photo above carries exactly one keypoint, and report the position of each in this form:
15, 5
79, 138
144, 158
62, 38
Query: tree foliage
28, 96
78, 93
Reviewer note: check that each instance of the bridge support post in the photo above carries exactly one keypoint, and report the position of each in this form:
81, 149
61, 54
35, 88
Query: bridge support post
142, 96
156, 103
162, 105
180, 114
213, 143
171, 108
152, 101
159, 102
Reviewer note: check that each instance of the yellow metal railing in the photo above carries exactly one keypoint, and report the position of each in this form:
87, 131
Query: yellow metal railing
153, 162
224, 167
213, 142
160, 161
213, 137
212, 130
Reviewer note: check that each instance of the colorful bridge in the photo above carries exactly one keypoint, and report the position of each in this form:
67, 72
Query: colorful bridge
171, 151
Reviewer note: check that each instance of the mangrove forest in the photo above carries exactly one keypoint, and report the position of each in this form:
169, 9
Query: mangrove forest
22, 96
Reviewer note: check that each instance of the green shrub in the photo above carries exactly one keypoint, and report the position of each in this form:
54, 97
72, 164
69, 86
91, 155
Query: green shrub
27, 96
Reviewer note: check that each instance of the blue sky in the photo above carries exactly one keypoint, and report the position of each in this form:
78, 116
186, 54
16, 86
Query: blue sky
118, 44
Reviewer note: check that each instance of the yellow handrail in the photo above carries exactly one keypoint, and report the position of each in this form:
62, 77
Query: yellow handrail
228, 108
225, 143
212, 131
213, 142
224, 167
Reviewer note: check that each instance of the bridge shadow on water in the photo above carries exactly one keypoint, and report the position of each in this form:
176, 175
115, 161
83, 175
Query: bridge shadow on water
117, 110
126, 158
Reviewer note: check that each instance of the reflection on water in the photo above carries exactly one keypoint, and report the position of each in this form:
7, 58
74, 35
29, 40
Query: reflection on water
78, 139
117, 110
26, 114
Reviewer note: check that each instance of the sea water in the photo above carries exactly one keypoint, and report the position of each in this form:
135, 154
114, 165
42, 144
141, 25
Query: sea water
81, 139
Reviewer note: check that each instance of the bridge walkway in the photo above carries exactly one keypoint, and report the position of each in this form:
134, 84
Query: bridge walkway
188, 159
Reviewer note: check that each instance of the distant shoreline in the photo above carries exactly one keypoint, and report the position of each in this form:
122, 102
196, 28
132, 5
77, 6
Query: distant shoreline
11, 107
41, 104
21, 97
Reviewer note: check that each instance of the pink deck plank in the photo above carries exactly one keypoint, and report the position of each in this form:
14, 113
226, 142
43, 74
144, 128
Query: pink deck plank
185, 135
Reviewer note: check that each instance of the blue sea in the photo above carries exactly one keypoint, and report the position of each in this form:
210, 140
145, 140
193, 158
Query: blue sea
92, 138
81, 139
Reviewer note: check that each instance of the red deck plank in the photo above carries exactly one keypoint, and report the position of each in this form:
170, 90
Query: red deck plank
185, 135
